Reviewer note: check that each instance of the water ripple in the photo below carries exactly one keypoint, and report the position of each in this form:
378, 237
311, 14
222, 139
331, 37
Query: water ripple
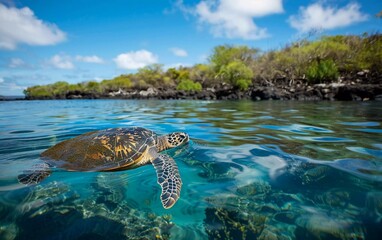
325, 139
368, 151
261, 169
297, 128
361, 124
367, 130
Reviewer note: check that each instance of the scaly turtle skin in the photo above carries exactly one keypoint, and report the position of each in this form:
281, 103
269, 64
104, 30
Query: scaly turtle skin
115, 149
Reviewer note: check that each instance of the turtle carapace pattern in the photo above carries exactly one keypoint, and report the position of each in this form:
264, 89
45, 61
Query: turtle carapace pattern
115, 149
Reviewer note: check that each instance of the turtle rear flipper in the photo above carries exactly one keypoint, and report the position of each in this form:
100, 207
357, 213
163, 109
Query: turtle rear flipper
168, 178
35, 175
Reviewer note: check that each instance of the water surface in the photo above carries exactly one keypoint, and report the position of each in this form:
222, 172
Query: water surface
266, 170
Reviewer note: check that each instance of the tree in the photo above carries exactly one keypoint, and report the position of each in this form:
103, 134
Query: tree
172, 73
59, 89
370, 54
202, 73
152, 75
120, 82
237, 74
189, 85
231, 64
38, 92
322, 70
224, 54
92, 87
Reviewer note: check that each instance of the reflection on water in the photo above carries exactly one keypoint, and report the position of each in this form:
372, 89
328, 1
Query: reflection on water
266, 170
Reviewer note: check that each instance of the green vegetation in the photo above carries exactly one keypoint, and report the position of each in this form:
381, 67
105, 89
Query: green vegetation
189, 85
237, 74
120, 82
241, 67
321, 71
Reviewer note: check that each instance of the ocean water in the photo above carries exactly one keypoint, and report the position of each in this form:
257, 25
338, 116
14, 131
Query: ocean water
252, 170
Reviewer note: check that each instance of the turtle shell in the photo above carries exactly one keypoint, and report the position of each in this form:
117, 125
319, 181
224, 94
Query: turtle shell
105, 150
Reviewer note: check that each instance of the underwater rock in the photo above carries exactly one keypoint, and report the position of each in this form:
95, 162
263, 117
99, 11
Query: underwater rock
8, 231
286, 201
255, 188
260, 211
43, 197
335, 198
54, 211
222, 223
288, 217
190, 232
251, 213
219, 171
321, 224
92, 220
110, 189
305, 174
211, 170
69, 224
374, 206
314, 174
274, 233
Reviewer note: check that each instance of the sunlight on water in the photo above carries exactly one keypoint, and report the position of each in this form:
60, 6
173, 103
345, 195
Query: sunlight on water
267, 170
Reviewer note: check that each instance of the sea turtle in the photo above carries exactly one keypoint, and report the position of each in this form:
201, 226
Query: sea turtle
115, 149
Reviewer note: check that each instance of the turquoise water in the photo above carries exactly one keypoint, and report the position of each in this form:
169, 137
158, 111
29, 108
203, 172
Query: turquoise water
266, 170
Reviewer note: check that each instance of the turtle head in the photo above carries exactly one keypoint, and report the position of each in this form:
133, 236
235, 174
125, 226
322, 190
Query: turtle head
172, 140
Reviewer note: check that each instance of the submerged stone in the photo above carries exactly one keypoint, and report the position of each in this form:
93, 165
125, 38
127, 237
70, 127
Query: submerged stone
222, 223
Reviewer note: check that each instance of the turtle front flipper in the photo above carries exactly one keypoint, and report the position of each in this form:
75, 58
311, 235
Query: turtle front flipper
168, 178
35, 175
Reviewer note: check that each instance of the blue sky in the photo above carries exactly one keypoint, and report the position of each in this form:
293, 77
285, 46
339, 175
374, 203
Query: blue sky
42, 42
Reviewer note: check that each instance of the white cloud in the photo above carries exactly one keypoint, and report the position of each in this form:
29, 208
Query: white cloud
135, 60
14, 86
179, 52
10, 88
234, 18
316, 16
89, 59
22, 26
61, 62
16, 62
98, 79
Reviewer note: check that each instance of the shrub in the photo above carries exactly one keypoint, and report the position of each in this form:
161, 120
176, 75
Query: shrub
172, 73
152, 75
237, 74
189, 85
224, 54
320, 71
39, 92
231, 65
204, 74
243, 84
115, 84
92, 87
76, 87
370, 54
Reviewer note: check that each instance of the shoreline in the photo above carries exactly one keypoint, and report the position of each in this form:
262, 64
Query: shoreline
297, 91
341, 67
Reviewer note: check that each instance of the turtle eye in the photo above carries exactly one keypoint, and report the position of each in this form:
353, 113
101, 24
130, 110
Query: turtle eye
183, 137
177, 139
